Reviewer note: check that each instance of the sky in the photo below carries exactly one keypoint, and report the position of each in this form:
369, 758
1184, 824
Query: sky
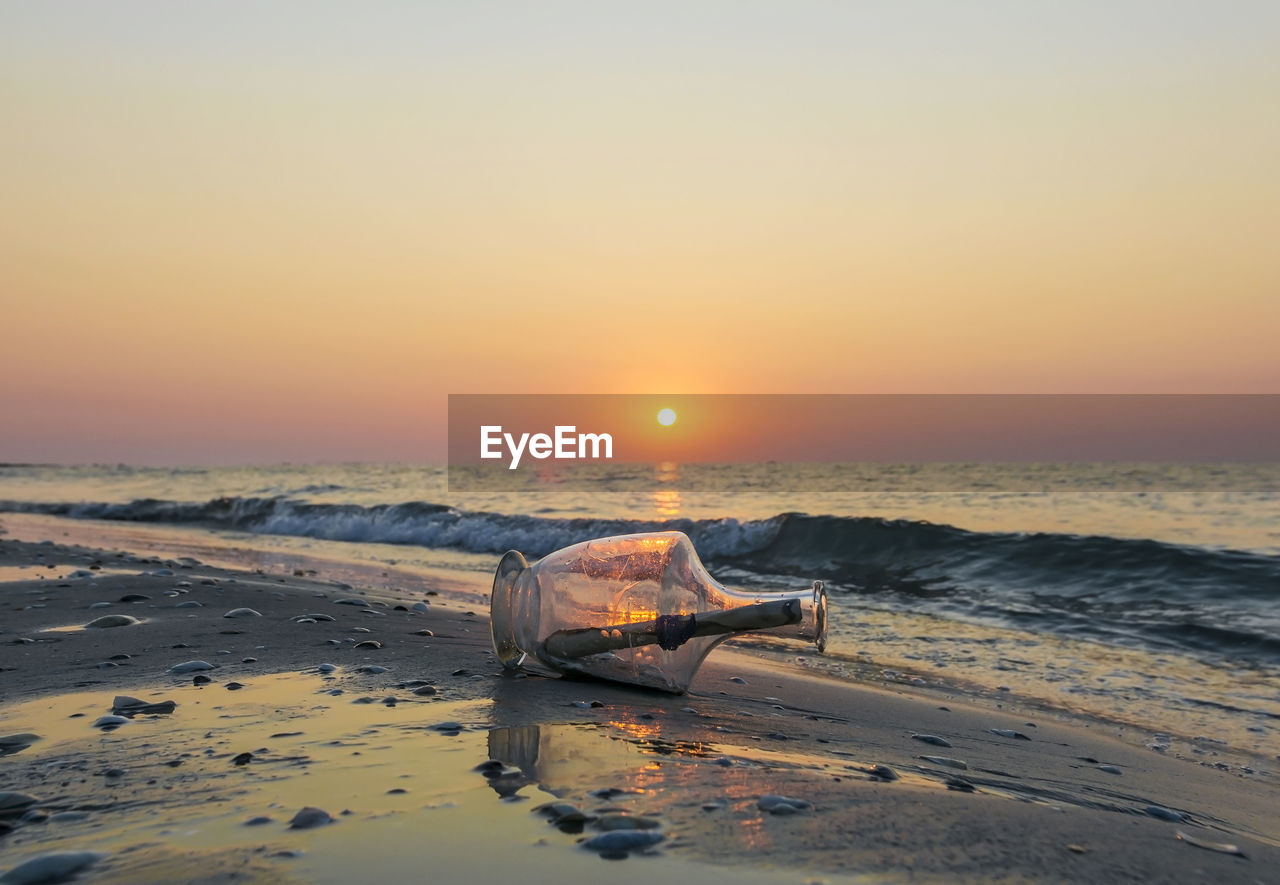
252, 233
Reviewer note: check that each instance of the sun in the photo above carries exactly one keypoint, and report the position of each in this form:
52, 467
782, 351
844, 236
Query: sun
667, 417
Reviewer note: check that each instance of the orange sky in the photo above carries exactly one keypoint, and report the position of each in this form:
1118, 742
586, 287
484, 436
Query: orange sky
240, 234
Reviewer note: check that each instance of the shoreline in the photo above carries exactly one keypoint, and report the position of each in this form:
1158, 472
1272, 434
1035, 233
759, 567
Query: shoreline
1020, 810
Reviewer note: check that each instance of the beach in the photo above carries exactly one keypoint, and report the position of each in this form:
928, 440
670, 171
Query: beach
387, 717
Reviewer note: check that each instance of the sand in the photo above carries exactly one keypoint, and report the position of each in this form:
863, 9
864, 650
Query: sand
396, 756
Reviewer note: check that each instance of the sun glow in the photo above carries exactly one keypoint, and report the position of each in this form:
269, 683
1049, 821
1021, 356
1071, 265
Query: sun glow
667, 417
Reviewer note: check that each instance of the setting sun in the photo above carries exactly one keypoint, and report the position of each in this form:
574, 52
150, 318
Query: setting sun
667, 417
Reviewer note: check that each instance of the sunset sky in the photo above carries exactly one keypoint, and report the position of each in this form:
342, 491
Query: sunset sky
259, 232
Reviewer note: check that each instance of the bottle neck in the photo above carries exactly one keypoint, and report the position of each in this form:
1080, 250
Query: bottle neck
802, 615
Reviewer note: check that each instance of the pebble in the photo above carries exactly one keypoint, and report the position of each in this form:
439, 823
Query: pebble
135, 597
422, 607
1110, 769
13, 802
55, 867
425, 691
737, 680
1165, 813
234, 686
446, 726
257, 821
931, 739
243, 613
123, 704
112, 621
190, 603
15, 743
101, 605
883, 772
242, 758
109, 723
189, 667
1008, 733
350, 601
781, 804
310, 817
314, 616
361, 630
618, 844
326, 668
81, 573
959, 784
369, 643
947, 761
200, 679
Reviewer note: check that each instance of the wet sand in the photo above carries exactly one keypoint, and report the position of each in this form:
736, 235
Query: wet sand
393, 741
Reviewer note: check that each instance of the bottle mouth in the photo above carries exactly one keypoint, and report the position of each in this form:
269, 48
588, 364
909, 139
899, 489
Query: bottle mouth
501, 620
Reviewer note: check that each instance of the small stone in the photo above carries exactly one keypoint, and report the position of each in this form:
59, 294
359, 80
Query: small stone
15, 743
111, 621
1165, 813
257, 821
310, 817
54, 867
931, 739
14, 802
425, 691
242, 759
737, 680
883, 773
1009, 733
243, 613
109, 723
369, 643
782, 804
189, 667
127, 706
234, 686
1110, 769
618, 844
200, 679
327, 668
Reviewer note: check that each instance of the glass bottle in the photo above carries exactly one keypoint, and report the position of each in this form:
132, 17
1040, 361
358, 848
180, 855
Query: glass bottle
633, 608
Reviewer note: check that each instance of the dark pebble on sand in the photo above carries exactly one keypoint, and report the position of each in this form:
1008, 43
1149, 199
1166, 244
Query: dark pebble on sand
1008, 733
11, 803
931, 739
774, 804
55, 867
310, 817
1110, 769
1165, 813
369, 643
620, 843
242, 759
234, 686
200, 679
109, 723
257, 821
883, 773
959, 784
134, 597
425, 691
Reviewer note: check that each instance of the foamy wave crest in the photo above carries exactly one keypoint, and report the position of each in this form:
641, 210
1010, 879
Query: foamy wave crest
419, 522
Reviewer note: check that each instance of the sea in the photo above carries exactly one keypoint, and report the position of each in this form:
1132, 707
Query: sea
1144, 596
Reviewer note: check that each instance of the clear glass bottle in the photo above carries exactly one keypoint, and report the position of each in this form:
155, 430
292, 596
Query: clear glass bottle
635, 608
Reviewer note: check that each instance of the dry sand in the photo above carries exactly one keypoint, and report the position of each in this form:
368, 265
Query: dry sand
392, 755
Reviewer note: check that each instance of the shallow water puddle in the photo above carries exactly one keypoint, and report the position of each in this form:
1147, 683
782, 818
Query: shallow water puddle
406, 785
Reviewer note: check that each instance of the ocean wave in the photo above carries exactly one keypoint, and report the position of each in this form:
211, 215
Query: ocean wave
1112, 589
